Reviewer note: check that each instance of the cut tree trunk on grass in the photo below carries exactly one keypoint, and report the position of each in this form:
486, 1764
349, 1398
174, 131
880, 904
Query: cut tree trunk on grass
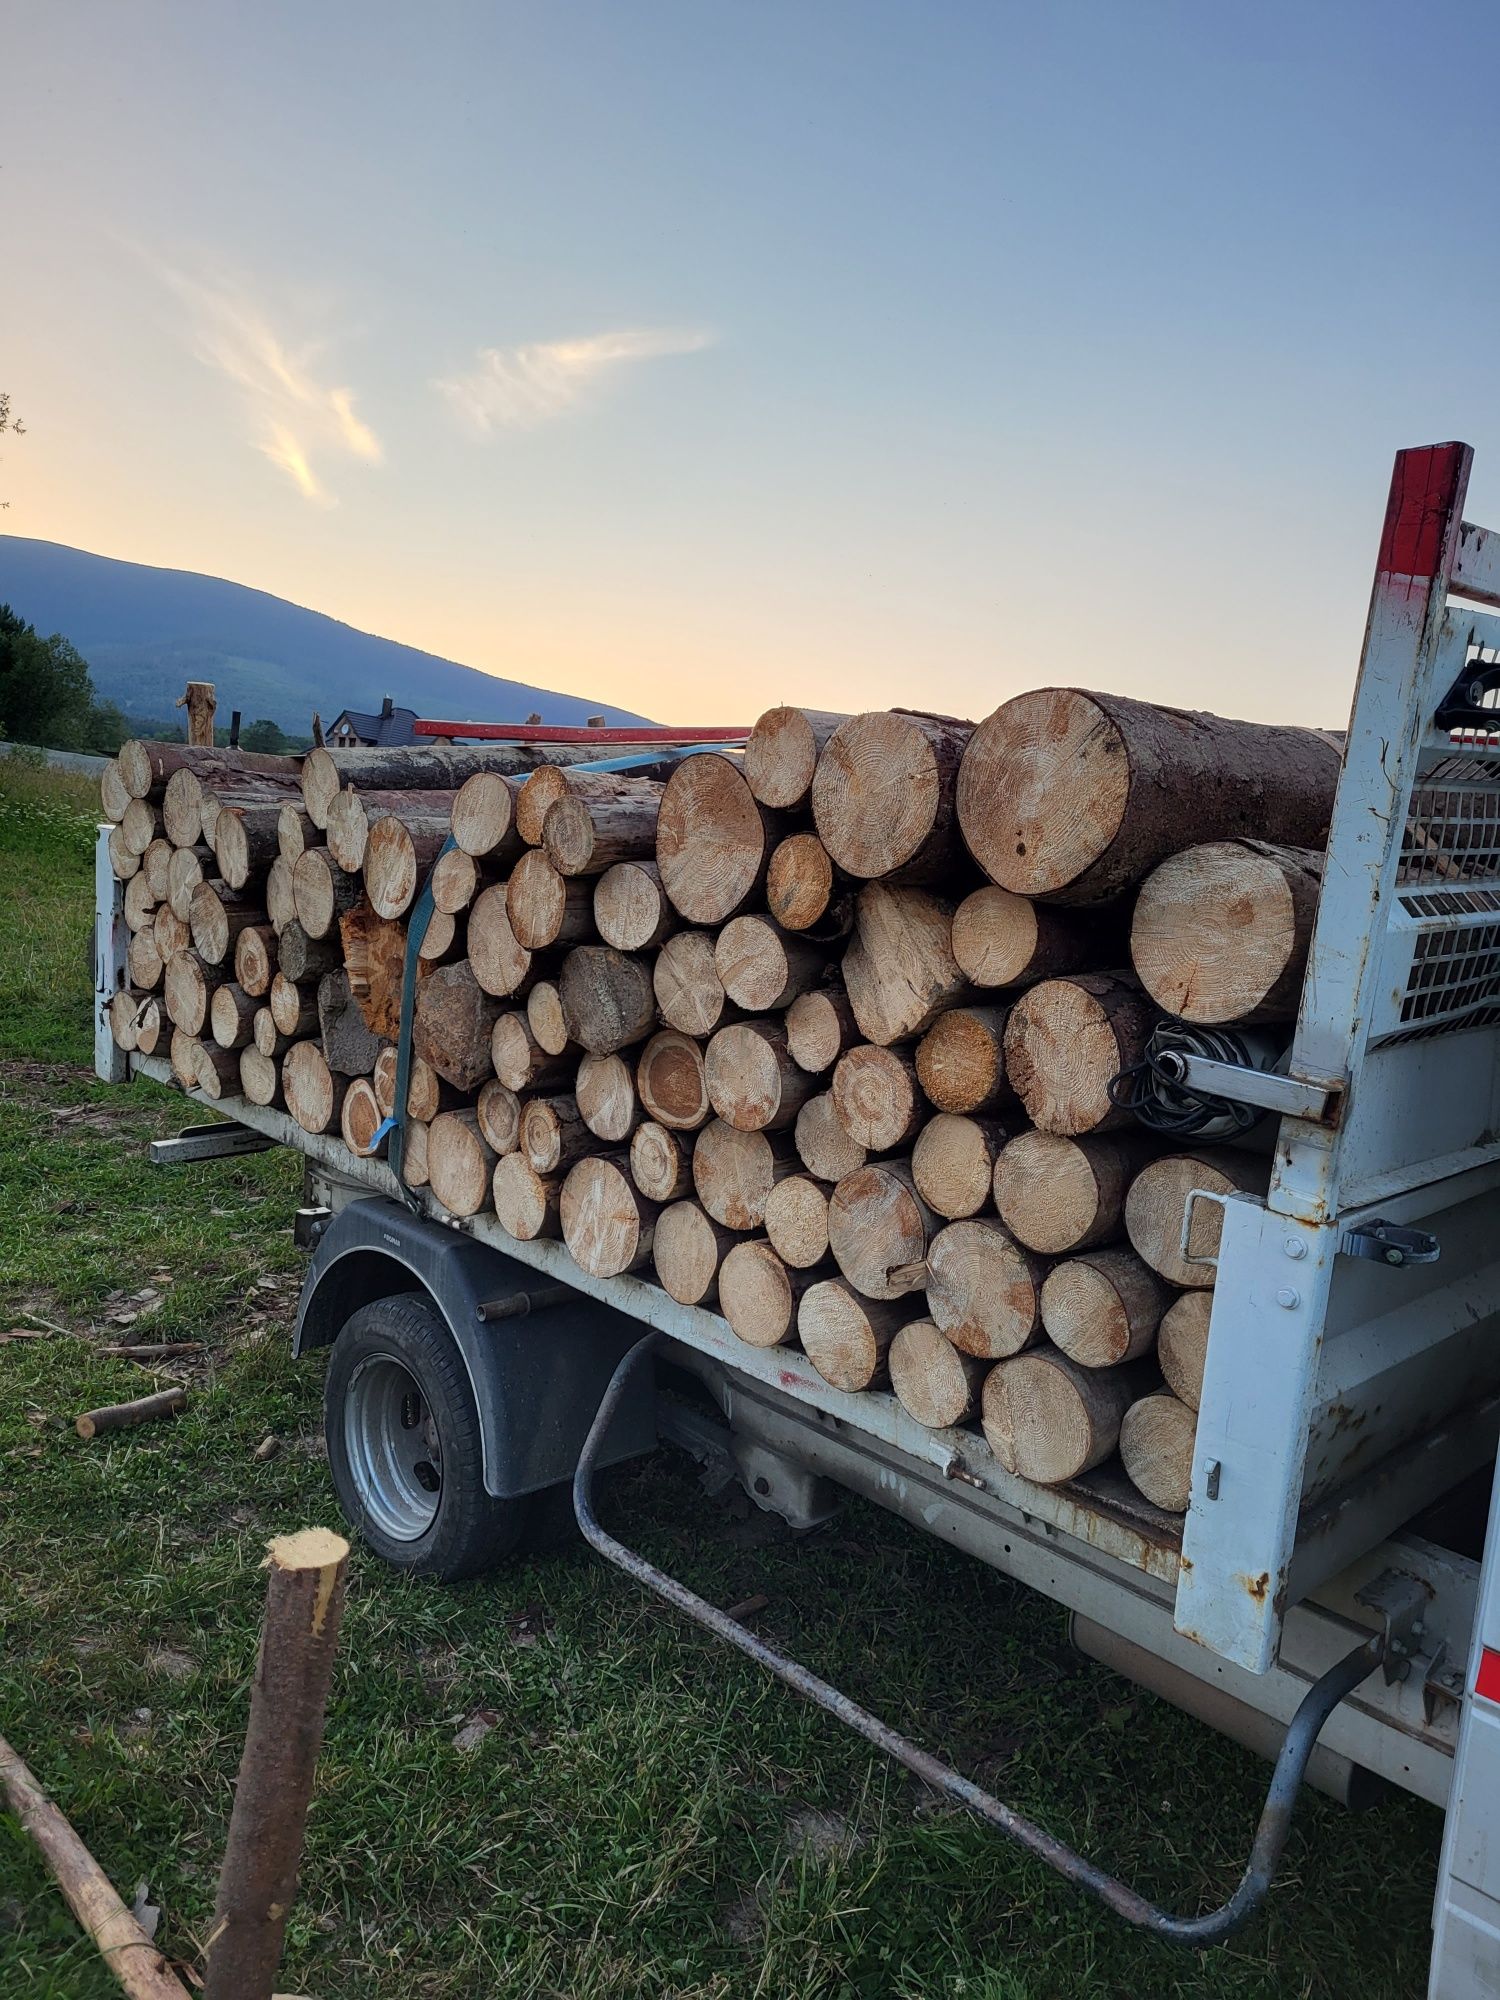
484, 817
876, 1097
953, 1163
187, 983
1103, 1307
823, 1142
631, 909
607, 997
255, 959
231, 1017
360, 1118
606, 1096
762, 968
782, 753
288, 1700
1221, 932
526, 1206
688, 1248
687, 986
553, 1136
460, 1162
1001, 939
293, 1008
1157, 1202
799, 882
900, 972
734, 1172
713, 839
456, 881
124, 1416
304, 958
933, 1382
454, 1018
544, 907
1057, 1194
1182, 1345
607, 1222
401, 848
1065, 1043
520, 1061
260, 1078
1156, 1449
499, 1112
961, 1060
375, 963
672, 1081
879, 1230
544, 1016
882, 795
753, 1084
499, 961
1048, 1420
661, 1162
585, 834
846, 1337
1078, 795
349, 1048
314, 1095
983, 1289
797, 1221
819, 1027
145, 765
322, 892
759, 1294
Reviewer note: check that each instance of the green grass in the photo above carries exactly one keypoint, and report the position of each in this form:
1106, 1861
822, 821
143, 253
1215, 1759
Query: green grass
647, 1815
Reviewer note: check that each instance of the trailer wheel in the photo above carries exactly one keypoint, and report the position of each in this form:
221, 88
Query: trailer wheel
403, 1445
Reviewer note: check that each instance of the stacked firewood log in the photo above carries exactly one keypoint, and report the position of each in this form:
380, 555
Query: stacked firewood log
820, 1036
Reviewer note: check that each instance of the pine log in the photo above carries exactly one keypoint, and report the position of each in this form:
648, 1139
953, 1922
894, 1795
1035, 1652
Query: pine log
260, 1078
544, 907
1057, 1194
535, 799
799, 881
140, 904
553, 1136
143, 962
375, 962
1182, 1345
360, 1118
349, 1048
820, 1026
782, 754
899, 971
145, 765
823, 1142
456, 880
114, 794
759, 1294
182, 810
526, 1206
983, 1289
1066, 1041
520, 1061
246, 841
255, 958
687, 986
1221, 932
586, 833
140, 825
661, 1163
605, 1093
427, 766
124, 1013
500, 962
354, 815
672, 1081
797, 1221
763, 968
231, 1017
187, 983
414, 1153
879, 1230
122, 860
156, 866
1157, 1202
607, 997
169, 932
713, 839
1048, 1420
961, 1060
734, 1172
882, 795
544, 1016
216, 916
484, 817
499, 1112
953, 1163
687, 1249
1077, 796
401, 848
453, 1020
322, 892
314, 1095
1103, 1307
933, 1382
281, 899
876, 1097
607, 1222
1001, 939
753, 1084
295, 832
631, 910
293, 1008
188, 867
846, 1337
460, 1162
184, 1052
1156, 1449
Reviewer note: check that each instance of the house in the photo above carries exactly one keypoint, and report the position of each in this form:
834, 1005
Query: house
391, 728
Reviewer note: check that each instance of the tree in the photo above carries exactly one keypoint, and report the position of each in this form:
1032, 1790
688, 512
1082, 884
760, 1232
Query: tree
46, 695
9, 423
265, 736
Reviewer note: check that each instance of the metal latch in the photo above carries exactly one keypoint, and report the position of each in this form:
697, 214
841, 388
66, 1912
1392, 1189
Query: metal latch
1390, 1243
1400, 1602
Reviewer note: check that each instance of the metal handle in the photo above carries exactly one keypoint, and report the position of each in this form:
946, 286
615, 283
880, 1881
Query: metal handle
1275, 1820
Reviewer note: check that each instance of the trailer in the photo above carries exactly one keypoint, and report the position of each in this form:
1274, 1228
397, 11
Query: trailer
1332, 1595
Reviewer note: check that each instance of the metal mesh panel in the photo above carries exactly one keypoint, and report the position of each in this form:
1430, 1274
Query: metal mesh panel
1453, 826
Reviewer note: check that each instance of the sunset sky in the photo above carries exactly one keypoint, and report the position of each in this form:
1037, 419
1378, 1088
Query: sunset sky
698, 355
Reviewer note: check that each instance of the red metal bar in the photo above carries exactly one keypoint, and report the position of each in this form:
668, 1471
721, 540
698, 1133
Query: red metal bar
550, 732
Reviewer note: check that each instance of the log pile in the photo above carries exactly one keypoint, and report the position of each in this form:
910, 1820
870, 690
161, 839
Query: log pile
819, 1036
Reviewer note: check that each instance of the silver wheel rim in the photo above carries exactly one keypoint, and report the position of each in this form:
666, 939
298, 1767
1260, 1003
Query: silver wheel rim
394, 1451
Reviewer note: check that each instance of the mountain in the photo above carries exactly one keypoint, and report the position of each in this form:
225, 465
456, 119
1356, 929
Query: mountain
145, 632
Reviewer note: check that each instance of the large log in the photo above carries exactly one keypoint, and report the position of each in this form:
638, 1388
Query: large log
144, 963
933, 1382
607, 998
734, 1172
140, 825
759, 1294
314, 1095
500, 962
782, 754
1077, 795
140, 904
753, 1084
953, 1163
672, 1081
1002, 939
879, 1230
631, 908
414, 1153
526, 1206
156, 864
1057, 1194
899, 971
607, 1222
961, 1060
544, 907
763, 968
797, 1221
687, 986
1182, 1345
452, 1023
460, 1162
145, 765
983, 1289
484, 817
661, 1162
820, 1026
1221, 932
605, 1092
586, 832
1067, 1040
799, 882
428, 766
823, 1142
1103, 1307
713, 839
1157, 1202
401, 848
687, 1249
1156, 1449
1049, 1420
124, 861
846, 1336
882, 795
876, 1097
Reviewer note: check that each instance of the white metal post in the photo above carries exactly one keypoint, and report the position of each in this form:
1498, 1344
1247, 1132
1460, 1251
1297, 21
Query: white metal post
111, 943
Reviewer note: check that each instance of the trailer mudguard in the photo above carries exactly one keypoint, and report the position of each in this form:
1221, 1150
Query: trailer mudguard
537, 1378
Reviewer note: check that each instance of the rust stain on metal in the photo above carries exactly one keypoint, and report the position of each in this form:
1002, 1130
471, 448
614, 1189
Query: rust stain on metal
1259, 1587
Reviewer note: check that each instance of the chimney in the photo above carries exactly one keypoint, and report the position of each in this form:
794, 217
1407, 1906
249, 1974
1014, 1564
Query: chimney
386, 709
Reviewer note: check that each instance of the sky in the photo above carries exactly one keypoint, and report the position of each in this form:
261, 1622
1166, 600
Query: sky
697, 355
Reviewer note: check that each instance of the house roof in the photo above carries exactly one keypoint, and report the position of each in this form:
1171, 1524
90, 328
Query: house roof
387, 731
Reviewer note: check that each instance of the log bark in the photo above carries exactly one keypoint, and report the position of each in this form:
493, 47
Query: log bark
526, 1206
145, 765
453, 1020
823, 1142
876, 1097
953, 1163
687, 986
1182, 1345
799, 882
295, 832
427, 767
1048, 1420
797, 1221
293, 1008
1103, 1307
759, 1294
1066, 1041
1156, 1449
484, 817
820, 1026
933, 1382
606, 1096
687, 1249
1001, 939
1221, 932
734, 1172
322, 892
401, 848
882, 795
246, 841
349, 1048
359, 1119
520, 1061
314, 1095
753, 1084
546, 908
498, 959
544, 1016
900, 972
1057, 1194
1157, 1202
281, 899
879, 1230
460, 1162
762, 968
216, 916
782, 754
260, 1078
661, 1162
961, 1060
847, 1337
607, 1222
1077, 795
983, 1289
631, 908
553, 1135
672, 1081
231, 1017
456, 881
288, 1700
187, 983
499, 1112
607, 997
124, 1416
216, 1071
585, 833
713, 839
255, 958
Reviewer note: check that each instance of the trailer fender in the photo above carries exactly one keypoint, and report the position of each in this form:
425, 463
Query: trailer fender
537, 1379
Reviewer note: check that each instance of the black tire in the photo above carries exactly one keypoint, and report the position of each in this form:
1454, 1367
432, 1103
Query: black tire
397, 1390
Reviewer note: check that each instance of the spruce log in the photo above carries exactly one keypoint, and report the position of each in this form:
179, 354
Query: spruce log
782, 754
246, 841
353, 817
456, 881
763, 968
500, 962
143, 962
882, 795
983, 1289
1221, 932
823, 1142
553, 1136
156, 865
544, 907
187, 868
454, 1018
753, 1084
961, 1060
1157, 1202
293, 1008
499, 1112
1065, 1043
713, 839
444, 940
122, 860
933, 1382
1182, 1345
687, 1249
734, 1172
605, 1092
544, 1016
145, 765
820, 1026
383, 1079
460, 1162
427, 1093
255, 958
314, 1095
797, 1221
231, 1017
520, 1061
349, 1048
268, 1038
426, 766
535, 799
899, 971
187, 983
879, 1230
260, 1078
672, 1081
953, 1163
607, 997
140, 825
687, 986
846, 1337
759, 1294
661, 1163
281, 899
1048, 1420
607, 1222
295, 831
484, 817
375, 961
140, 904
631, 909
1077, 795
401, 848
184, 1053
1156, 1449
585, 833
124, 1013
360, 1117
1001, 939
526, 1206
182, 810
114, 794
799, 881
169, 932
1057, 1194
1103, 1307
876, 1097
322, 892
216, 916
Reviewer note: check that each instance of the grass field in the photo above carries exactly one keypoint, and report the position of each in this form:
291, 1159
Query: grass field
629, 1810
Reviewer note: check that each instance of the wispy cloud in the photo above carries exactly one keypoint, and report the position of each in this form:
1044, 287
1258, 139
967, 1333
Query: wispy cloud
516, 388
295, 415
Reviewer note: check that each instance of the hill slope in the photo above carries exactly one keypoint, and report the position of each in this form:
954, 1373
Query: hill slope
144, 632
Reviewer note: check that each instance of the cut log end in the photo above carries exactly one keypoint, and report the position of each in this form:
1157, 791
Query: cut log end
1156, 1449
983, 1289
933, 1382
